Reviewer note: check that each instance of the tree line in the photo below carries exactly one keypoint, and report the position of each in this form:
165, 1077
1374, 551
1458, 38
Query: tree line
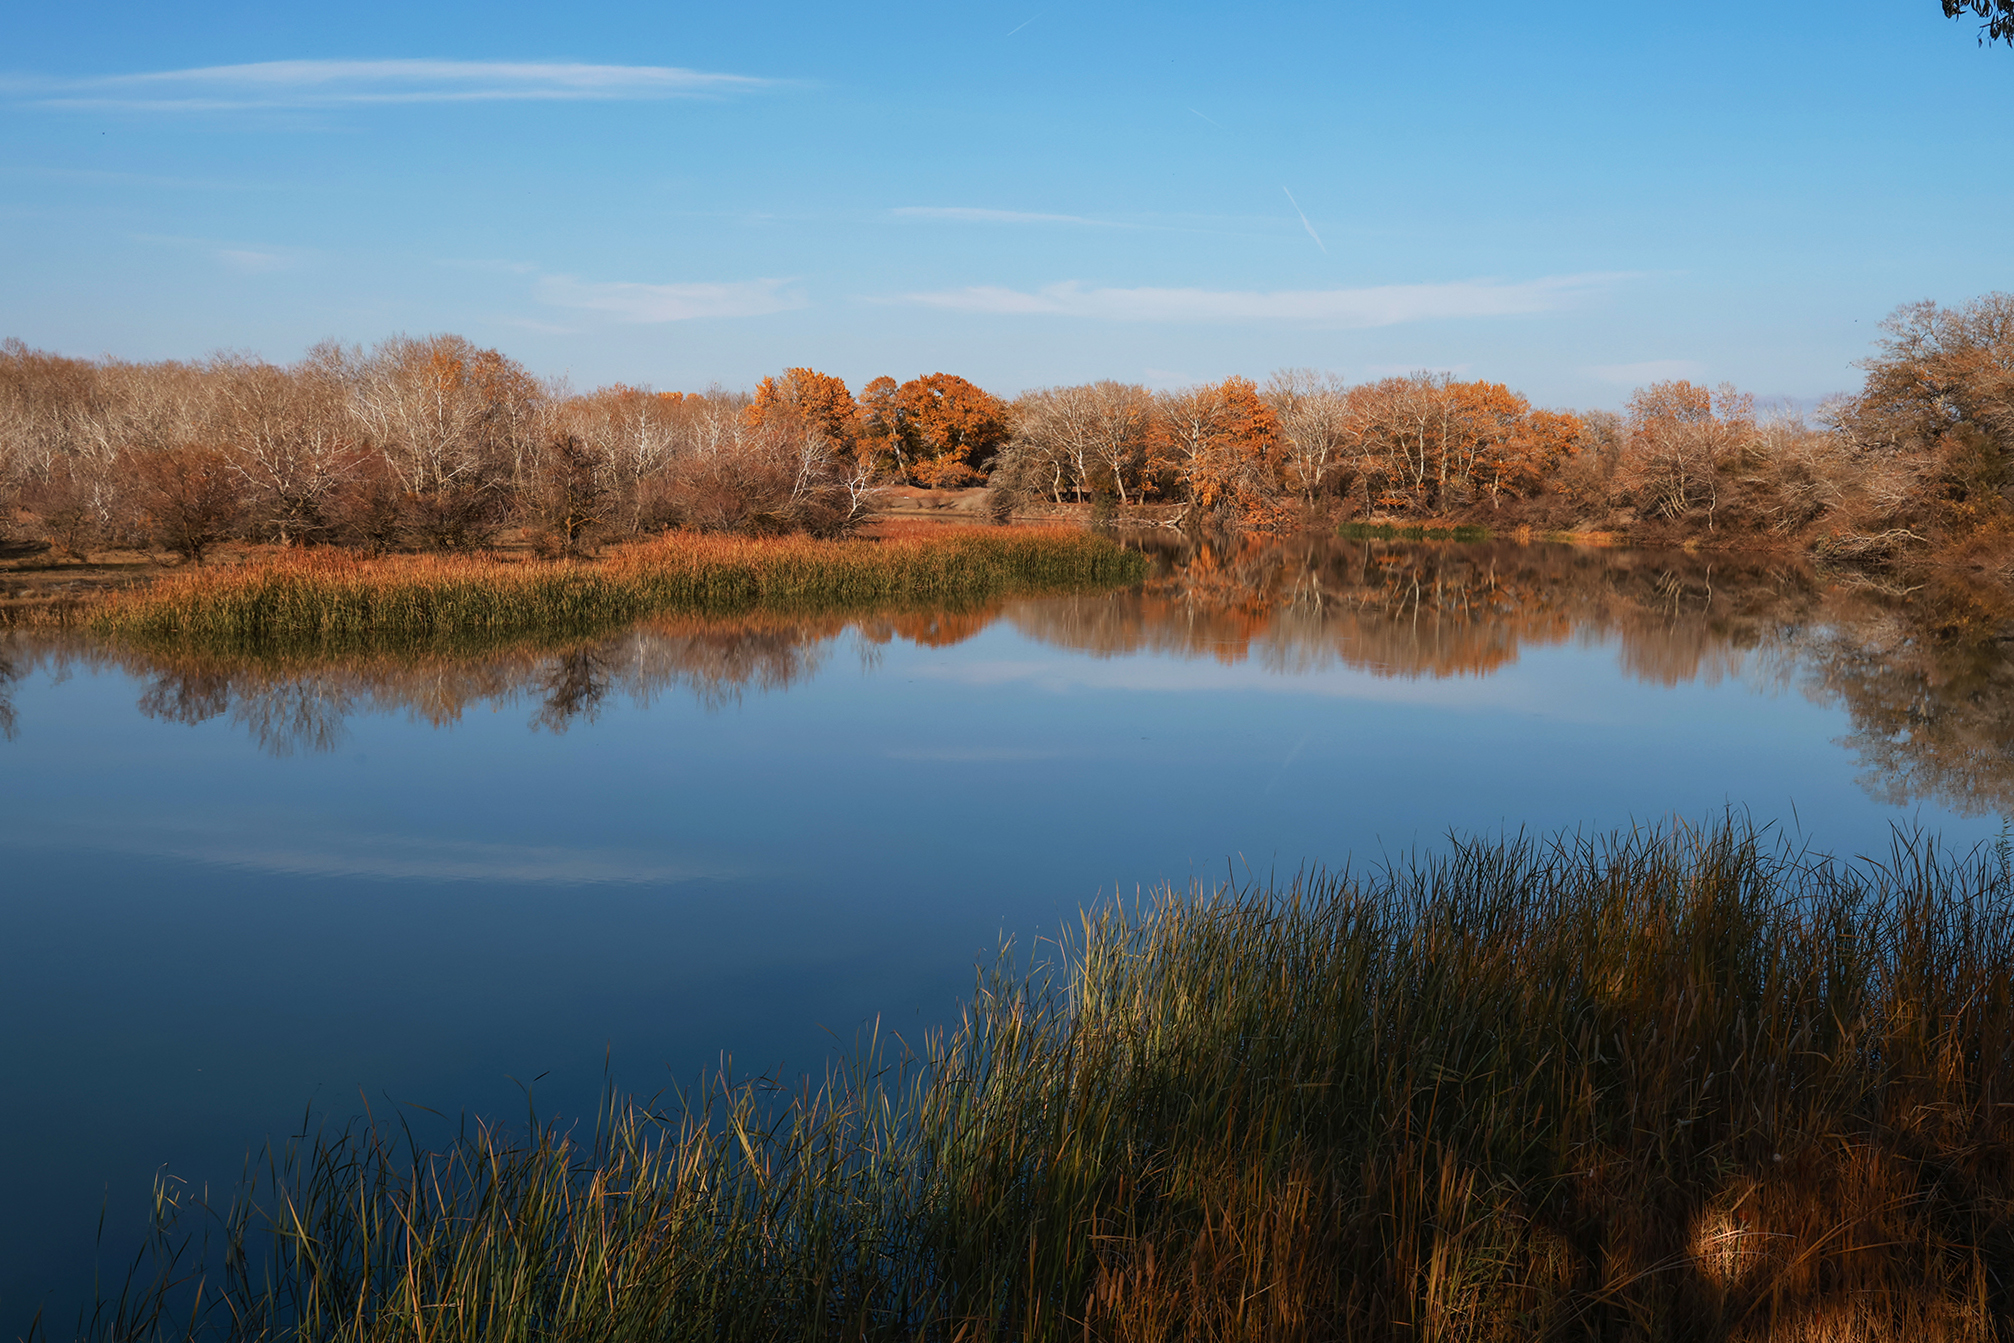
437, 444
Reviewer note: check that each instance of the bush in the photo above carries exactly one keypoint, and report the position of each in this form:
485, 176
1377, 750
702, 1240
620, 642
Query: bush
188, 499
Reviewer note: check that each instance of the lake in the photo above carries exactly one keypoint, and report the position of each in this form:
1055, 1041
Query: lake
235, 889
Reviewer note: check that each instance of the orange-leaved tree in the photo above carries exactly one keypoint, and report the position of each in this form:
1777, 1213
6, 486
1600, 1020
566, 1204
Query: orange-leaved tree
819, 400
949, 427
880, 432
1216, 443
1500, 445
1426, 443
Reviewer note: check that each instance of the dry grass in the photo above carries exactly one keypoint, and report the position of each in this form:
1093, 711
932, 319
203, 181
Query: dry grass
334, 596
1658, 1087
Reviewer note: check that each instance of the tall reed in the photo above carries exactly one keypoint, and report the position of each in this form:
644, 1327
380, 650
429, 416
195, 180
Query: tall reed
1679, 1085
333, 595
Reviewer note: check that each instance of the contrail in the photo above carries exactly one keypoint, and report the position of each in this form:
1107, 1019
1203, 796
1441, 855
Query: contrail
1024, 23
1206, 118
1305, 224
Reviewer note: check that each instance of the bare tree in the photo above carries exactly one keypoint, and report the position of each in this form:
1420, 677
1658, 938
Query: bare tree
1086, 437
1121, 416
1316, 427
1681, 435
452, 422
1049, 449
633, 433
289, 438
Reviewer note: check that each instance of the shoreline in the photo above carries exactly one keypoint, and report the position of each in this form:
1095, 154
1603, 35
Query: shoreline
40, 591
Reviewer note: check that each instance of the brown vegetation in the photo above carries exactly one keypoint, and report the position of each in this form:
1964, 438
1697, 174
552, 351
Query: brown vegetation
428, 444
435, 444
338, 600
1913, 467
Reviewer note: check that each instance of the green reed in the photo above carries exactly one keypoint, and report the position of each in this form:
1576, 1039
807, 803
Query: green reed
1675, 1085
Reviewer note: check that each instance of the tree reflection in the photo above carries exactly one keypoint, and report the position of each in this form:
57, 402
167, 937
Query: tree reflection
188, 695
574, 685
12, 669
1924, 674
1929, 684
308, 713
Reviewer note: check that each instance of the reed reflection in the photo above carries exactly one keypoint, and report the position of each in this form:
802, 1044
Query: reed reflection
1924, 673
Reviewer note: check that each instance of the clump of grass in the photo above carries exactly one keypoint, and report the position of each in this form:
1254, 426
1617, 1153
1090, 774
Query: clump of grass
1658, 1086
1385, 531
330, 595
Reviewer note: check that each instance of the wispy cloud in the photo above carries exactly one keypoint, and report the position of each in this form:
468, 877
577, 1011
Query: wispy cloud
1380, 305
98, 177
1330, 678
974, 755
495, 265
321, 852
1304, 222
1650, 370
973, 215
632, 302
542, 328
247, 258
253, 263
304, 84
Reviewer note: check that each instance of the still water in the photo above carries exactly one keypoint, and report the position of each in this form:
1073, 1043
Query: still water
234, 889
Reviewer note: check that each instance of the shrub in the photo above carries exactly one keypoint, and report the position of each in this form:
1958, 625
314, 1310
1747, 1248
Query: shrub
189, 499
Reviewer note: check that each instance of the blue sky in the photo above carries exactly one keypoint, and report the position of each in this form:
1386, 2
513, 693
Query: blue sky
1572, 198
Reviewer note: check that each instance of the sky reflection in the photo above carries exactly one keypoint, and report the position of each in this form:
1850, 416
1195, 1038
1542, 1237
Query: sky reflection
235, 885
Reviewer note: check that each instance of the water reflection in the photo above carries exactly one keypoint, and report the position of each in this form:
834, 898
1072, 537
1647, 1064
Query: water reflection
12, 669
1924, 674
1424, 610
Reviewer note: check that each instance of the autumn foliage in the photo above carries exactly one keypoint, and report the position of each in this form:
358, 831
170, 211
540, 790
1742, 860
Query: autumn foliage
1303, 445
939, 430
1217, 445
437, 444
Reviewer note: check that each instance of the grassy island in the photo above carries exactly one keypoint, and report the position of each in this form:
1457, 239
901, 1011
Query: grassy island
1658, 1086
331, 595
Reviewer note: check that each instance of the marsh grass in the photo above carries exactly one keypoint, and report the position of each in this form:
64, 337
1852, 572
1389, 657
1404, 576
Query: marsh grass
1385, 531
330, 597
1657, 1086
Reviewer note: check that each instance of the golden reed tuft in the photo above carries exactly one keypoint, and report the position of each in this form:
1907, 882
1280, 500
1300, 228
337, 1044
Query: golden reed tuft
335, 595
1660, 1086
